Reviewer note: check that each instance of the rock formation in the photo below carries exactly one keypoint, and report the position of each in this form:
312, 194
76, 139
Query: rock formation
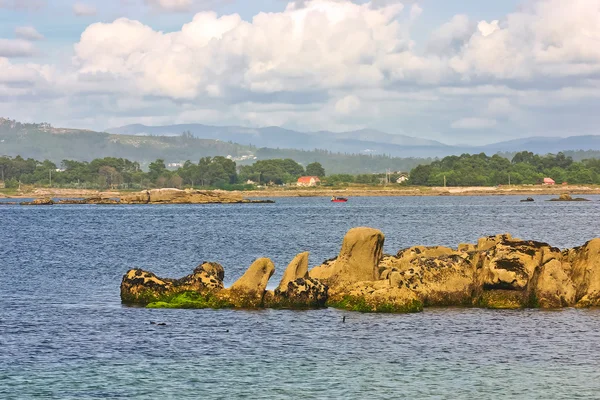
159, 196
497, 272
358, 260
143, 287
297, 289
567, 197
249, 290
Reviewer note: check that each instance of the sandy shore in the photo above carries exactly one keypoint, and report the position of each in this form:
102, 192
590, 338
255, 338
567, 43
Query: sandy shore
531, 190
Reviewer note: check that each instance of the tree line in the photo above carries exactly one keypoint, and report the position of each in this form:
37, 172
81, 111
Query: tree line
120, 173
524, 168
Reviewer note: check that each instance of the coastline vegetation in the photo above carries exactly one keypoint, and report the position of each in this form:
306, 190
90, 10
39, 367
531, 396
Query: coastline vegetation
525, 168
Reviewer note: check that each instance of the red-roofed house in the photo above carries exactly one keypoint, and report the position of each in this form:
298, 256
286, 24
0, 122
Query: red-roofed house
308, 181
549, 181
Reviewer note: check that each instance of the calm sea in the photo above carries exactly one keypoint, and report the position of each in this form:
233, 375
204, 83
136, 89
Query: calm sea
64, 333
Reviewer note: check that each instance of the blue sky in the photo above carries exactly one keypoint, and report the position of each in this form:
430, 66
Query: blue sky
456, 71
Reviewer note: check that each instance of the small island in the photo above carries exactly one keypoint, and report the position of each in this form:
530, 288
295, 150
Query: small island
156, 196
497, 272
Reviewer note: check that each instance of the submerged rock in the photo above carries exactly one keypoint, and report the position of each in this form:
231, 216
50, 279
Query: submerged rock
46, 201
567, 197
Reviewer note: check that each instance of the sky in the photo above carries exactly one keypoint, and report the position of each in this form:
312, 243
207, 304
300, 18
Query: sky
461, 72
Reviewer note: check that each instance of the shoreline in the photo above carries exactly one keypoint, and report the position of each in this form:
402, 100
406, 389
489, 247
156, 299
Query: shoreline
345, 192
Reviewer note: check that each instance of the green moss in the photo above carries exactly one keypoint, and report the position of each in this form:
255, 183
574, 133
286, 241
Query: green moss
190, 300
359, 304
501, 300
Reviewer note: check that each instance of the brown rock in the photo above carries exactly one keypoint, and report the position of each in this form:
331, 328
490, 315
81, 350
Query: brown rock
300, 293
249, 290
554, 287
298, 268
46, 201
585, 272
358, 259
143, 287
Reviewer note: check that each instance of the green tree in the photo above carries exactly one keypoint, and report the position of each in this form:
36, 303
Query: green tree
315, 169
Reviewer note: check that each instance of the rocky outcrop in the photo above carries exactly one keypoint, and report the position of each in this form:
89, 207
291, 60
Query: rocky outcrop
159, 196
301, 293
298, 268
177, 196
249, 290
567, 197
497, 272
357, 261
143, 287
46, 201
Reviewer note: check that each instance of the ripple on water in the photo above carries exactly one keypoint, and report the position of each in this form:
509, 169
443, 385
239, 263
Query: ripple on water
64, 333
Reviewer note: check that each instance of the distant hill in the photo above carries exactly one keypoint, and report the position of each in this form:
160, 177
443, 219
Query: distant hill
365, 141
42, 141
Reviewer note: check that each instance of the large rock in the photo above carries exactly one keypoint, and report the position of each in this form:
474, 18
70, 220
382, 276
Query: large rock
296, 269
446, 280
177, 196
143, 287
249, 290
301, 293
554, 288
376, 296
358, 259
585, 272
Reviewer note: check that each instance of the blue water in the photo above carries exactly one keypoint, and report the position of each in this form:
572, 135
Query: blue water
64, 333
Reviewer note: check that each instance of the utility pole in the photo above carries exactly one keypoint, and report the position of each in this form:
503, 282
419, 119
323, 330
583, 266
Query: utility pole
444, 180
50, 173
509, 179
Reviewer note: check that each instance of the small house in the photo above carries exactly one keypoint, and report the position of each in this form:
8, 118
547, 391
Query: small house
549, 181
308, 181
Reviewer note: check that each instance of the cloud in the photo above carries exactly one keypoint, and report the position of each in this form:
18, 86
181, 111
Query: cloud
415, 12
16, 48
321, 64
326, 44
84, 10
28, 33
474, 123
347, 105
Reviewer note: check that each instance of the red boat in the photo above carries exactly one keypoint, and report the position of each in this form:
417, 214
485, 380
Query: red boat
339, 199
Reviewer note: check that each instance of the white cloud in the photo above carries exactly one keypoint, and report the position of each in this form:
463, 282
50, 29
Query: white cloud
330, 64
474, 123
28, 33
84, 10
347, 105
415, 12
16, 48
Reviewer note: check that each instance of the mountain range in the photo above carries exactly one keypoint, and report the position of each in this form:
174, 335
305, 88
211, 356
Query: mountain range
365, 141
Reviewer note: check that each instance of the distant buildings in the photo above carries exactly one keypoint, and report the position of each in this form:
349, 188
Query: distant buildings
549, 181
308, 181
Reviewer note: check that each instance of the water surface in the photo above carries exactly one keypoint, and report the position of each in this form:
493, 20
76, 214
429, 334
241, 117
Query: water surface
64, 333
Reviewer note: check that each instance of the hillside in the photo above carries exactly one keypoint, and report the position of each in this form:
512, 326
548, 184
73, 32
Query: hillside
365, 141
42, 141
